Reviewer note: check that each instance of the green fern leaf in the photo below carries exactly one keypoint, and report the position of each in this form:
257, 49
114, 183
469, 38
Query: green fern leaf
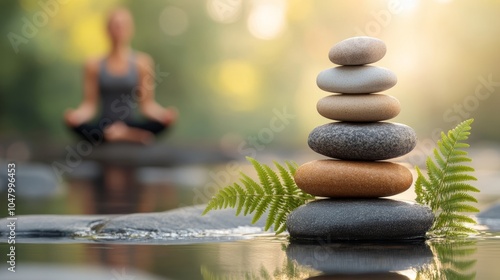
462, 187
276, 193
460, 168
445, 189
421, 187
263, 176
288, 180
457, 177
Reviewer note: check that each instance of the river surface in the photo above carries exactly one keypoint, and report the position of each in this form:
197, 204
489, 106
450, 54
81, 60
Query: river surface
121, 190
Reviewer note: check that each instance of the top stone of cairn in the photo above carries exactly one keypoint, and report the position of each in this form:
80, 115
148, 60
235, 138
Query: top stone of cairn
357, 51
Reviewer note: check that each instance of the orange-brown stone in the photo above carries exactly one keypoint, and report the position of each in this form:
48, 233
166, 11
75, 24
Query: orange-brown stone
340, 178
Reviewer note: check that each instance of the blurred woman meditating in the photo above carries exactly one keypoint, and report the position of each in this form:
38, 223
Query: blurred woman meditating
121, 82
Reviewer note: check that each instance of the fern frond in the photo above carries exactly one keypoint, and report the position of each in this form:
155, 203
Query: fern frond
276, 193
445, 189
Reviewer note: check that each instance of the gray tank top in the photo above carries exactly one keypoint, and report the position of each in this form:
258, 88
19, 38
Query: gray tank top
118, 92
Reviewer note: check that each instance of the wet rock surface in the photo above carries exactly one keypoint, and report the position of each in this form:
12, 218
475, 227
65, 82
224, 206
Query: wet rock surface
184, 223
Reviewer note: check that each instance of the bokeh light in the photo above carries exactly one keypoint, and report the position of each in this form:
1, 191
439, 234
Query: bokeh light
88, 37
224, 11
267, 18
238, 81
173, 21
408, 5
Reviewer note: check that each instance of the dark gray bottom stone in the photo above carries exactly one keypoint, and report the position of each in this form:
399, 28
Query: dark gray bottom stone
359, 219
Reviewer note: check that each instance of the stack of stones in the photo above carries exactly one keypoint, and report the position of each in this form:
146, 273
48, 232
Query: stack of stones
356, 178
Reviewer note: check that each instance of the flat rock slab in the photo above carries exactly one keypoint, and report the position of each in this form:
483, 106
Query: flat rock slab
185, 223
362, 141
359, 219
360, 258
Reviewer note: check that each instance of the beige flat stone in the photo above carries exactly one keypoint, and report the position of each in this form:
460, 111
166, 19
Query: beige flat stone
343, 179
356, 79
359, 108
357, 51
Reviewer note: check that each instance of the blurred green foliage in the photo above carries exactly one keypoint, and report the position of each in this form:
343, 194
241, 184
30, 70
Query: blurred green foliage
226, 79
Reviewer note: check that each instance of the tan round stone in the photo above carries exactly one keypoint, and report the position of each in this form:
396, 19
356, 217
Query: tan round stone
342, 179
359, 108
357, 51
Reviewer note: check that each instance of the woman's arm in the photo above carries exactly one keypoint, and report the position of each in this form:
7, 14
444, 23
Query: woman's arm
87, 109
149, 107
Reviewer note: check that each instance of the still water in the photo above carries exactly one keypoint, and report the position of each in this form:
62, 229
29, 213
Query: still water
121, 190
258, 258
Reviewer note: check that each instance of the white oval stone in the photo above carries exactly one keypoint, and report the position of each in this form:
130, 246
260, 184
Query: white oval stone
357, 51
359, 108
356, 79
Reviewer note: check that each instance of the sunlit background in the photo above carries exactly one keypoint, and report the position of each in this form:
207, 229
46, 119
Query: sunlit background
230, 63
232, 68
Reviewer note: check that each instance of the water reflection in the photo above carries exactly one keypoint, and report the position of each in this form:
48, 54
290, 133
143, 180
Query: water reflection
265, 258
418, 260
361, 258
452, 260
371, 276
117, 190
285, 269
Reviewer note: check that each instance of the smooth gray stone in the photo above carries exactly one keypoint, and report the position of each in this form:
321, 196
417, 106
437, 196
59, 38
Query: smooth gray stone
356, 79
357, 258
359, 219
362, 141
